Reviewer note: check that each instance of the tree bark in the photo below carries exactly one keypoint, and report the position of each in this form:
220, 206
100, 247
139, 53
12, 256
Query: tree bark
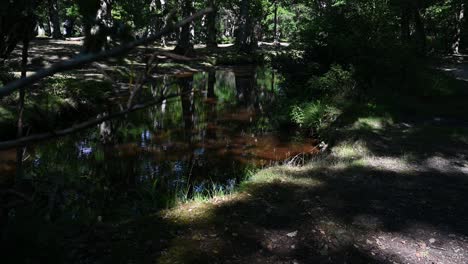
244, 28
54, 19
458, 31
185, 43
212, 31
420, 31
405, 24
22, 94
276, 35
97, 26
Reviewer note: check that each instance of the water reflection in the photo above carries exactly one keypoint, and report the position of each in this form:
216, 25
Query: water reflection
207, 138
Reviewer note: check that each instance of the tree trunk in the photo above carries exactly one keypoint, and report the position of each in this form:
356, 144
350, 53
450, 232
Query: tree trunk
97, 26
185, 43
54, 19
104, 13
405, 24
244, 28
458, 31
212, 31
276, 35
22, 93
420, 31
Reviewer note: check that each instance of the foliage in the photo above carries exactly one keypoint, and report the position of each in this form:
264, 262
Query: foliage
315, 115
337, 82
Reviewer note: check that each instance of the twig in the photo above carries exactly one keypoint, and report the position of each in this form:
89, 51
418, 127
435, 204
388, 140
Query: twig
144, 79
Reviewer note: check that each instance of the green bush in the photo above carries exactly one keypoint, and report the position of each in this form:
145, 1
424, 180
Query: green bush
323, 98
336, 82
314, 115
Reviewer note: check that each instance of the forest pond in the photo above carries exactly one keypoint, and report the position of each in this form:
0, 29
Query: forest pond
200, 143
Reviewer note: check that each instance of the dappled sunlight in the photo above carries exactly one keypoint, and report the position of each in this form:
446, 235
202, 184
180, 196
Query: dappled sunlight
399, 165
372, 123
350, 150
445, 165
316, 221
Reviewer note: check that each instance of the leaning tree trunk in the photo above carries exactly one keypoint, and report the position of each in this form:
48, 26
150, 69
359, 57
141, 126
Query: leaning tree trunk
460, 15
185, 43
212, 31
54, 19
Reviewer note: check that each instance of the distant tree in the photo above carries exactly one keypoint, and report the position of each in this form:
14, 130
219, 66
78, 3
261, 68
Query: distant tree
250, 13
97, 22
185, 41
211, 21
53, 8
18, 23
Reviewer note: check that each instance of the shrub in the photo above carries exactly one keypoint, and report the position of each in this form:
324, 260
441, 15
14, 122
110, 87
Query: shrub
337, 82
315, 115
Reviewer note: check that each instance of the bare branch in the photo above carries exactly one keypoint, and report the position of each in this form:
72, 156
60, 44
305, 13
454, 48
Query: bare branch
84, 59
90, 123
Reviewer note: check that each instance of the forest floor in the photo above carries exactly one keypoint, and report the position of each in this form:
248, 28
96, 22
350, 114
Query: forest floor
392, 189
45, 52
456, 65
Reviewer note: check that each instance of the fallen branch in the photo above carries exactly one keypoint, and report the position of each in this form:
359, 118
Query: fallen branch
90, 123
84, 59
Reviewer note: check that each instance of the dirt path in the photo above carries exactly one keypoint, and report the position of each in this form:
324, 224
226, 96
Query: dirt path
457, 66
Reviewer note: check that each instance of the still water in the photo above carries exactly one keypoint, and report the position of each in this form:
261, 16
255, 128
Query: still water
203, 142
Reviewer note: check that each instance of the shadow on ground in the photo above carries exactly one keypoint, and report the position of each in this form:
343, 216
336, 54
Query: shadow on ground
353, 206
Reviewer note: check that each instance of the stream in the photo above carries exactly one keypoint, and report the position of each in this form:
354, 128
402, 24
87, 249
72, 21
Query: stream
201, 143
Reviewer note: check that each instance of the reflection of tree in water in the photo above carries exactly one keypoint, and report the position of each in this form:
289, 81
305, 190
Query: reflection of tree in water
246, 86
188, 104
188, 112
211, 105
